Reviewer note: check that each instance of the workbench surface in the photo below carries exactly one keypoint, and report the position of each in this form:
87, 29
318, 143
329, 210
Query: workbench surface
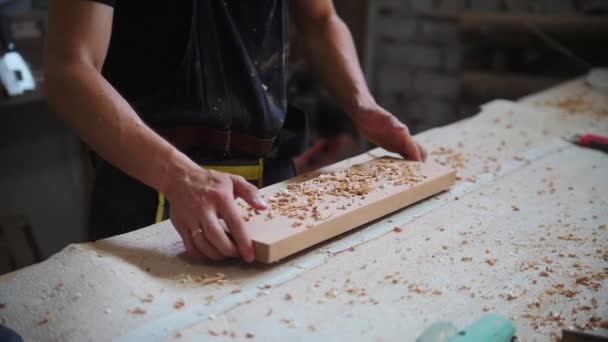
523, 233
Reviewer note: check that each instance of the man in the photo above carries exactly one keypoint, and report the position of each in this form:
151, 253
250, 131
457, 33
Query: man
158, 89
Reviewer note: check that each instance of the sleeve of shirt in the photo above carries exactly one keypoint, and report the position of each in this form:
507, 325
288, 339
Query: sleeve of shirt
110, 3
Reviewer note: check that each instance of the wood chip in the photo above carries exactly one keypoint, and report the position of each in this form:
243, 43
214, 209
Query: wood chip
466, 259
511, 296
149, 298
397, 229
491, 262
44, 320
179, 304
138, 311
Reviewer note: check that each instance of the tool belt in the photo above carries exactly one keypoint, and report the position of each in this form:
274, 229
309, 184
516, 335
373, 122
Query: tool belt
223, 141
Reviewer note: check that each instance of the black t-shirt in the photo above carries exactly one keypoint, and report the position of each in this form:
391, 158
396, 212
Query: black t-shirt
147, 45
211, 62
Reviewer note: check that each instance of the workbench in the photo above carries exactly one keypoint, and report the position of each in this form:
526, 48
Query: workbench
523, 233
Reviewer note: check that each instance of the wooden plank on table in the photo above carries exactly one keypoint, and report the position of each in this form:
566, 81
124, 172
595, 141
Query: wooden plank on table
306, 213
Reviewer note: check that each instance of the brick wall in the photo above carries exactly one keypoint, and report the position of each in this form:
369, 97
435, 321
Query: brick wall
414, 63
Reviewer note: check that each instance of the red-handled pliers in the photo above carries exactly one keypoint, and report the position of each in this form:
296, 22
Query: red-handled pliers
595, 142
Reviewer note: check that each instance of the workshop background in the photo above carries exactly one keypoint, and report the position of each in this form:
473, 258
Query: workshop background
430, 62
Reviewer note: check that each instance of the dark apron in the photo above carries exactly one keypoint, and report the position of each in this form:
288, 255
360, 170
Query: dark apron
231, 84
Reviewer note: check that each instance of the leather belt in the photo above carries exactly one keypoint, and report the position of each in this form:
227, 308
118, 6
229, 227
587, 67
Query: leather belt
225, 141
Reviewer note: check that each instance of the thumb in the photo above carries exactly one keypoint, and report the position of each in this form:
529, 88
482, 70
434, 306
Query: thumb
247, 192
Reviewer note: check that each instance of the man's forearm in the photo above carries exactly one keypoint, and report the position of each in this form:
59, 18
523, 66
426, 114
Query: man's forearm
107, 123
331, 52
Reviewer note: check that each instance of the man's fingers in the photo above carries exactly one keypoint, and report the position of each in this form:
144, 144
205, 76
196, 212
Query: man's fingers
248, 192
235, 224
410, 148
184, 232
216, 235
204, 246
423, 153
191, 248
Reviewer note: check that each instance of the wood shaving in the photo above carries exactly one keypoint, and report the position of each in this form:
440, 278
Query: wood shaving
571, 237
287, 321
138, 311
511, 296
46, 319
149, 298
179, 304
331, 294
201, 280
593, 281
491, 262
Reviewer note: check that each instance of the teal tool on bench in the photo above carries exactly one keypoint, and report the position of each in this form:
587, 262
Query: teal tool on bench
491, 328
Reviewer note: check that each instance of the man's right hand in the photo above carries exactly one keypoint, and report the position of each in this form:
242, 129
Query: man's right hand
200, 200
78, 37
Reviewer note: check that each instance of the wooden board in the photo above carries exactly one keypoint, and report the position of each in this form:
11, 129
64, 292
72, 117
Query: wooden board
306, 213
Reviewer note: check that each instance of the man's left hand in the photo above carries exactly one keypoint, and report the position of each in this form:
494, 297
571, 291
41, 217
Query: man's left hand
385, 130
